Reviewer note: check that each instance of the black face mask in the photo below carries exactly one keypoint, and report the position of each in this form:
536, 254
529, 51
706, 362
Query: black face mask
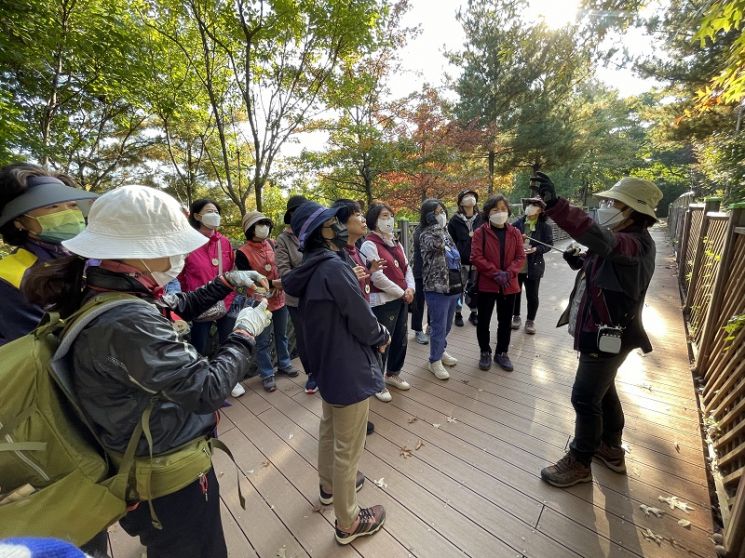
341, 235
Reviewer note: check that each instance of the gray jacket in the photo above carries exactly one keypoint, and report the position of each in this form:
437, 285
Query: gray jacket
288, 257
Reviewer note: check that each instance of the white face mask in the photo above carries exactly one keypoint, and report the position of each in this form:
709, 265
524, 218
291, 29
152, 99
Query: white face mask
261, 231
468, 201
441, 219
211, 220
385, 226
532, 210
609, 217
498, 218
165, 277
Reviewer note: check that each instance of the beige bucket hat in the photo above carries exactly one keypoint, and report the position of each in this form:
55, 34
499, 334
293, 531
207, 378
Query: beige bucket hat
639, 194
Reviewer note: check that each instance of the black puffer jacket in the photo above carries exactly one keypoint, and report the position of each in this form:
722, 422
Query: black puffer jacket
461, 230
542, 232
132, 353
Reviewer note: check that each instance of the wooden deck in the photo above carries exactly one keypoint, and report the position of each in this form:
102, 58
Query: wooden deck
470, 483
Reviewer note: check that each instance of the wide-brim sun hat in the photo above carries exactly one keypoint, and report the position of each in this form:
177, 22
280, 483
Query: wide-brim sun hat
639, 194
42, 191
308, 217
133, 222
251, 218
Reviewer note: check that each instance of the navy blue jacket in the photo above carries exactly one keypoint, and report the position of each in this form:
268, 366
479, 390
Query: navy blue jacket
339, 328
542, 232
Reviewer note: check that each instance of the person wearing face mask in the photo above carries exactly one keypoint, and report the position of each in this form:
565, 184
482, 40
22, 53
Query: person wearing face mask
532, 225
258, 254
345, 335
131, 357
461, 228
498, 254
392, 291
441, 279
38, 210
604, 314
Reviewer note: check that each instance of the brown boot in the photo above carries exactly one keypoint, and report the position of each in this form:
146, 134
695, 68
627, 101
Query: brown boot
612, 457
567, 472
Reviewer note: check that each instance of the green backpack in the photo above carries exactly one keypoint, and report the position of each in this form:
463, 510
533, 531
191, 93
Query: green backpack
56, 478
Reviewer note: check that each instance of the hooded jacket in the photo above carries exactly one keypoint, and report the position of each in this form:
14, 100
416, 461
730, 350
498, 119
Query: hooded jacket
340, 326
542, 232
461, 229
288, 255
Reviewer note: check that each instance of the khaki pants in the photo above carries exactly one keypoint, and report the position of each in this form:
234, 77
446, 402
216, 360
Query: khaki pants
341, 440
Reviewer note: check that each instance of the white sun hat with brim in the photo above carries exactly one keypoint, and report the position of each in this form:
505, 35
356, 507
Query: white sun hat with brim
639, 194
135, 222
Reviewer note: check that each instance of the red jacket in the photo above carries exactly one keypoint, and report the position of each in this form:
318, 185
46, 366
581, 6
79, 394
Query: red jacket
486, 256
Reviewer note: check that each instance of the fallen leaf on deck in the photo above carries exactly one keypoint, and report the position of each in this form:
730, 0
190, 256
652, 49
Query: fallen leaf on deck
674, 503
451, 419
684, 523
650, 536
318, 509
646, 386
419, 444
282, 552
648, 509
405, 452
481, 389
265, 464
626, 447
436, 425
466, 381
220, 474
250, 472
380, 482
677, 447
412, 420
290, 437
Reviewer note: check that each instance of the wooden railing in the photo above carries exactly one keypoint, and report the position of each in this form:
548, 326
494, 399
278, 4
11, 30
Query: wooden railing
710, 250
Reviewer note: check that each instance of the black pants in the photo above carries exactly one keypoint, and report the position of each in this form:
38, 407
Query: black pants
417, 307
531, 293
505, 305
297, 325
595, 401
191, 523
394, 315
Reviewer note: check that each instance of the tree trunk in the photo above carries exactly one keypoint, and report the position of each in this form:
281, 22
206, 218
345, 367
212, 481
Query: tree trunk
492, 155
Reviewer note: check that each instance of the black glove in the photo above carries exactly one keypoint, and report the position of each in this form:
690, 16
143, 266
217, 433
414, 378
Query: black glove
546, 188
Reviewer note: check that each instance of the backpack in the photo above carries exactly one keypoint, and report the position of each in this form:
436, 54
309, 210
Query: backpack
56, 478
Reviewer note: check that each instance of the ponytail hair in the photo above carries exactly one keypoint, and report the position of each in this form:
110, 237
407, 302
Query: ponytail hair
56, 285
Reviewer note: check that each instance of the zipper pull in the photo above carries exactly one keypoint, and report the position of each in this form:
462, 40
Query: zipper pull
204, 485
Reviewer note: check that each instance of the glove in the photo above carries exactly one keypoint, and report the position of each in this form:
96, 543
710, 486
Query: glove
502, 278
573, 249
245, 279
253, 320
546, 188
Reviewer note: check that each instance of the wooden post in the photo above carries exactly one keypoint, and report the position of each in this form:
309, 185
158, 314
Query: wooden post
734, 531
403, 237
736, 219
710, 205
683, 244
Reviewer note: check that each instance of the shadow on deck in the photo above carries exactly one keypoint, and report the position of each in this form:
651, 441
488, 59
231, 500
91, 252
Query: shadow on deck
470, 483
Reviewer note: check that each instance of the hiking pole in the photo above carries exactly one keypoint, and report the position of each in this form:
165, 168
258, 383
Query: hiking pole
549, 245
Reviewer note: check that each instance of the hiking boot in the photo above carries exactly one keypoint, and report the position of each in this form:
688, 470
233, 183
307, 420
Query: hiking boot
311, 386
612, 457
238, 390
516, 321
485, 360
328, 499
290, 372
458, 319
567, 472
384, 396
504, 362
269, 384
449, 360
421, 338
370, 521
397, 382
530, 327
438, 370
474, 318
370, 428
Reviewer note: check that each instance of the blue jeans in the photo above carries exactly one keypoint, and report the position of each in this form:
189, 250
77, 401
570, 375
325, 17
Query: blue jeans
263, 344
200, 333
441, 312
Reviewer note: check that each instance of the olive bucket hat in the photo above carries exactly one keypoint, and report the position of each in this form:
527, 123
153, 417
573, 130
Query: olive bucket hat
639, 194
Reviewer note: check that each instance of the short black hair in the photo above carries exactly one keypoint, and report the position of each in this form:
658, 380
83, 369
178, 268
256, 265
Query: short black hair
491, 203
197, 206
348, 208
427, 211
374, 212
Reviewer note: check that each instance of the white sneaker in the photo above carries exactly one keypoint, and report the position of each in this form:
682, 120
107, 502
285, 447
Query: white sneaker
385, 395
397, 382
238, 390
438, 370
448, 360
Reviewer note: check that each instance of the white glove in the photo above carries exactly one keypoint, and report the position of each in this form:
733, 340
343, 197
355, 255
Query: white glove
245, 279
574, 249
253, 320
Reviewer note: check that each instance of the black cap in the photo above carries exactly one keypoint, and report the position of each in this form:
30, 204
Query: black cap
292, 204
464, 193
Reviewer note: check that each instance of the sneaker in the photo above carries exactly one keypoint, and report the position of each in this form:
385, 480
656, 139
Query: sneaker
238, 390
530, 327
504, 362
328, 499
370, 521
384, 396
397, 382
269, 384
290, 372
370, 428
449, 360
438, 370
311, 386
458, 319
474, 318
516, 321
614, 457
567, 472
421, 338
485, 360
